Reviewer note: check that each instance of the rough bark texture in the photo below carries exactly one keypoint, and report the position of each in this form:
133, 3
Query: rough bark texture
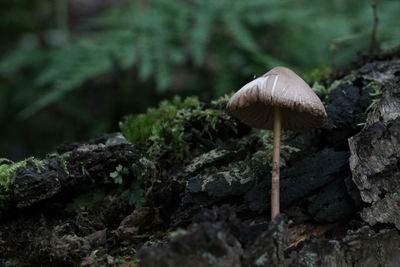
206, 244
375, 150
340, 192
79, 169
362, 247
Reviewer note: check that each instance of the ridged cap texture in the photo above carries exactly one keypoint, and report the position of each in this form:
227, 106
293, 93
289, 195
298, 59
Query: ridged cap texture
301, 109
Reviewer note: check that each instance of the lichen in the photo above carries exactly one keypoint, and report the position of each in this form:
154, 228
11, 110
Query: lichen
309, 259
211, 259
265, 154
230, 171
177, 232
232, 179
262, 260
206, 159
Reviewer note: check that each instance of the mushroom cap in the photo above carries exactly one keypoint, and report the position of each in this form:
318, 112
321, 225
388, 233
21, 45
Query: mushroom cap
254, 103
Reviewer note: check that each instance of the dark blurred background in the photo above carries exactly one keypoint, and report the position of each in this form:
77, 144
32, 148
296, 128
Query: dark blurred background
70, 69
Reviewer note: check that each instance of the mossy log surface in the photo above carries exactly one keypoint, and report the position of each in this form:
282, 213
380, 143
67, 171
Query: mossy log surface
113, 202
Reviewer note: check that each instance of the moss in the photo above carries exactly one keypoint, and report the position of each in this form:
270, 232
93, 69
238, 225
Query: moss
8, 171
347, 80
372, 86
38, 163
221, 102
64, 163
174, 128
374, 90
323, 91
62, 160
318, 74
138, 128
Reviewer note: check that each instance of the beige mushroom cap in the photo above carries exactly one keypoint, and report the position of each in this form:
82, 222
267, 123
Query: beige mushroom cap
301, 109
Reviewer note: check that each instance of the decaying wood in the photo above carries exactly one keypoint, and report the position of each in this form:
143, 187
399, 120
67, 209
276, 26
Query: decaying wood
339, 196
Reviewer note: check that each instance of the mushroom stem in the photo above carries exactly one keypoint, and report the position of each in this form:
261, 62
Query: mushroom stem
276, 163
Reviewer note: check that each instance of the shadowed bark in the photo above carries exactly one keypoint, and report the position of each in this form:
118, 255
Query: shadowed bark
339, 193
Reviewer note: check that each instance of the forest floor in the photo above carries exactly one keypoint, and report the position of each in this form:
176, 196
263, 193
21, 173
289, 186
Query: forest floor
187, 185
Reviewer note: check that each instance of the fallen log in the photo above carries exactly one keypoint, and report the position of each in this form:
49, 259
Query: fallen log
208, 205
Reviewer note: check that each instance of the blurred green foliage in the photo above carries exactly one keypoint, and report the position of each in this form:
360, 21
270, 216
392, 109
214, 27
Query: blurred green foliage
70, 70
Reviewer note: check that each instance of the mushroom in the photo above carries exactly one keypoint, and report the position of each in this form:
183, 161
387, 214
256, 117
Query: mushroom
278, 99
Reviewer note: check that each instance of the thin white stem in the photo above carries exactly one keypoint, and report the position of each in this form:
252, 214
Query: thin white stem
275, 164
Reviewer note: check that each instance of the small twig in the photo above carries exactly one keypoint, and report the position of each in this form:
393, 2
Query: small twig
374, 43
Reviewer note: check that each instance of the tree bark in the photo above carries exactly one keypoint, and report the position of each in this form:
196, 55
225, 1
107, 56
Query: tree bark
211, 211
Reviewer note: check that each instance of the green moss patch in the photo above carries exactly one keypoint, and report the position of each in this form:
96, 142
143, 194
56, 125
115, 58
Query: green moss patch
138, 128
8, 171
323, 91
168, 131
